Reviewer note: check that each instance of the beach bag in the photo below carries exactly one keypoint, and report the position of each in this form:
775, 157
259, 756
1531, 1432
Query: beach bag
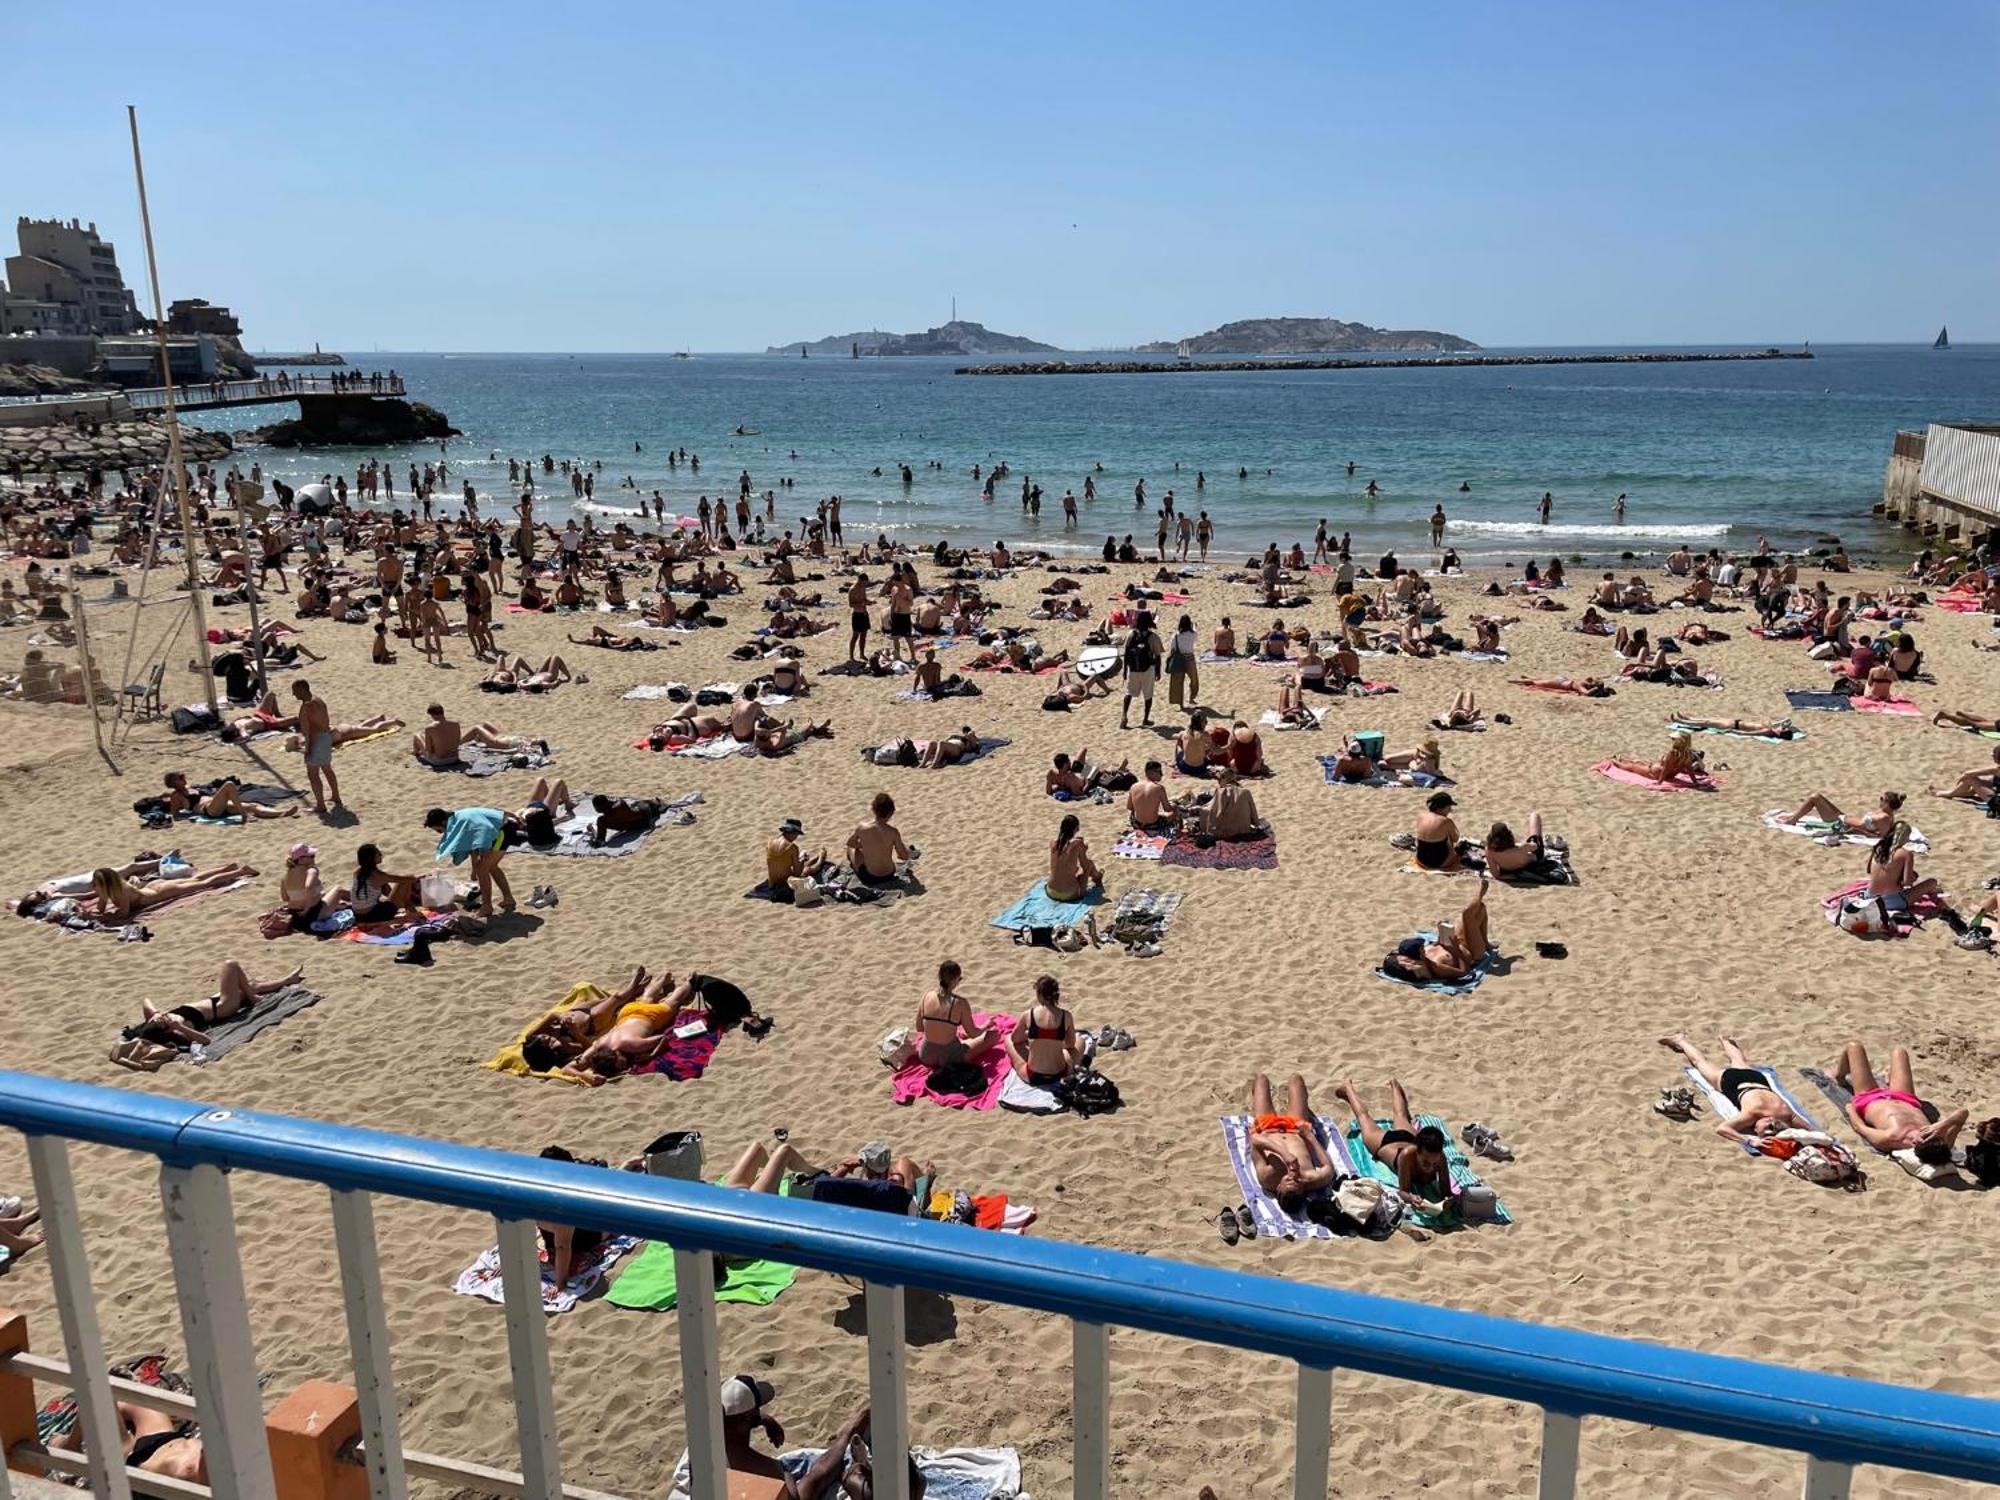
898, 1048
1177, 661
1478, 1204
436, 890
1360, 1200
677, 1155
275, 923
1826, 1163
965, 1078
1982, 1157
1866, 917
1086, 1092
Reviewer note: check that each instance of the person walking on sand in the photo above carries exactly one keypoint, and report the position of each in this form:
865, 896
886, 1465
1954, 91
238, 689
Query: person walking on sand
857, 618
1140, 660
316, 733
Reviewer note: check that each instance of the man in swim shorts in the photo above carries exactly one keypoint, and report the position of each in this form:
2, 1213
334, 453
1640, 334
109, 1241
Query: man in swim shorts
316, 728
1895, 1118
1285, 1151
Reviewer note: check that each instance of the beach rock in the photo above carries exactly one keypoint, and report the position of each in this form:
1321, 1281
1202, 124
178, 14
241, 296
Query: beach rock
41, 380
139, 443
354, 421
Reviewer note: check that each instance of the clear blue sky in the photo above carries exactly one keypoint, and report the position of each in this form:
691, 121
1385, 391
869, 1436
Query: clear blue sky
446, 175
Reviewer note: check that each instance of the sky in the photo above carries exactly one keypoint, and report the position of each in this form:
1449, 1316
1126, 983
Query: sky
661, 176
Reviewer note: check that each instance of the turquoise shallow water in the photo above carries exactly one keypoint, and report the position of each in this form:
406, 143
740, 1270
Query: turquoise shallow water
1712, 454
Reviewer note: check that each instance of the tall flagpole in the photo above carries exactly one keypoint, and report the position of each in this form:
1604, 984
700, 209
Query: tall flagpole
176, 470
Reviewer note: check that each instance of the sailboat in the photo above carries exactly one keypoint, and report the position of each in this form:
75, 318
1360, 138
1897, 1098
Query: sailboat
1943, 340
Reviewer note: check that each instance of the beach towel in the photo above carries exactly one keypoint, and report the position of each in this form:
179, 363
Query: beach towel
1960, 604
1482, 656
648, 691
226, 1036
62, 912
719, 746
1818, 828
1544, 687
1271, 1221
682, 1059
1904, 923
1037, 909
1147, 904
400, 930
912, 1081
1477, 726
1724, 1110
1840, 1096
573, 832
1223, 854
988, 743
364, 739
1132, 844
1805, 698
1270, 719
482, 1277
1463, 986
1462, 1175
1901, 708
948, 1473
1679, 727
483, 760
1024, 1098
265, 795
651, 1284
1382, 778
1681, 783
1210, 659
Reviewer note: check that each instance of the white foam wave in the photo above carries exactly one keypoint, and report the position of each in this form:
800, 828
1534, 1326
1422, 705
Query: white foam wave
1536, 529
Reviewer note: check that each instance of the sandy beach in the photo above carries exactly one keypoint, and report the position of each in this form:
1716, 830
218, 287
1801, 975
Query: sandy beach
1691, 914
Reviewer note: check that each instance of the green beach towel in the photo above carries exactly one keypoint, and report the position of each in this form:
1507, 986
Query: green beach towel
650, 1283
1462, 1175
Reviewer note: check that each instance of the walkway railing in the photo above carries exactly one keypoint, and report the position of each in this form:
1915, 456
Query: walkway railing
1833, 1421
192, 395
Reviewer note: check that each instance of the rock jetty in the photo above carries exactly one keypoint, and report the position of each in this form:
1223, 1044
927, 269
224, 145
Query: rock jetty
67, 449
1441, 361
354, 421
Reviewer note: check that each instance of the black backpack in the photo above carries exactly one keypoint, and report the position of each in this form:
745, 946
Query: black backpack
1139, 653
1982, 1157
1087, 1092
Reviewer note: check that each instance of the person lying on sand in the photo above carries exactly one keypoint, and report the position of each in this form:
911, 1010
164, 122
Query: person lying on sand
1975, 785
1894, 1118
1045, 1046
1875, 824
118, 899
347, 734
1760, 1109
1985, 723
1437, 835
152, 1441
225, 801
508, 676
619, 814
1582, 687
639, 1029
750, 725
1463, 713
1077, 689
1592, 623
1416, 1156
263, 719
189, 1025
438, 743
950, 750
1681, 759
611, 641
1511, 858
139, 871
1285, 1151
536, 819
1071, 871
1777, 729
946, 1036
1449, 957
875, 850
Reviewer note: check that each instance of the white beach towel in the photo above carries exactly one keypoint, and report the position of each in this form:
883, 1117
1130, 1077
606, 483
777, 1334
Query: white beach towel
1815, 828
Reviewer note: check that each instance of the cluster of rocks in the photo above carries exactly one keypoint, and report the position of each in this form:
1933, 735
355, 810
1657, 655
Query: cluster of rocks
43, 380
66, 449
354, 421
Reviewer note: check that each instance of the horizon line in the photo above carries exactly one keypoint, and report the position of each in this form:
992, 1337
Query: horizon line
771, 349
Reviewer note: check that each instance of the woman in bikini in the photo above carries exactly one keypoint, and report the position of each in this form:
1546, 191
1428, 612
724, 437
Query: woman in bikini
1071, 871
1681, 760
1463, 714
1892, 874
1193, 749
1426, 758
1506, 855
1449, 957
1874, 825
1437, 835
1045, 1046
1777, 729
1285, 1151
119, 898
1416, 1156
1760, 1109
947, 1036
188, 1025
1975, 785
1895, 1118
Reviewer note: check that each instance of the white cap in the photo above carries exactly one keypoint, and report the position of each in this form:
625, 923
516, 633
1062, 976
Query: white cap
745, 1394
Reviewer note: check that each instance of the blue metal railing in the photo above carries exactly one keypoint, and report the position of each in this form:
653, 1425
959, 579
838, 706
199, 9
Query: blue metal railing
1835, 1420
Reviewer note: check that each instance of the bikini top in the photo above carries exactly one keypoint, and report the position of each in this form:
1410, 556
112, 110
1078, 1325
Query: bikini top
1036, 1033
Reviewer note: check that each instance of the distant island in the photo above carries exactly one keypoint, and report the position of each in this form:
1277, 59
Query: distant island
1310, 336
955, 337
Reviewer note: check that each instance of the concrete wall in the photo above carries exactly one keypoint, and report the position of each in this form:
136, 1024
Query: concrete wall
46, 413
71, 354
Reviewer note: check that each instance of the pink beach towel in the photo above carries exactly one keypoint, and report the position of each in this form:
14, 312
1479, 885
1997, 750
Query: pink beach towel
1901, 707
1960, 604
1923, 908
912, 1081
1679, 784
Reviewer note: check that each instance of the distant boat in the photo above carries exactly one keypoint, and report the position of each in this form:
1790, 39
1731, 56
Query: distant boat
1181, 351
1943, 340
683, 355
803, 354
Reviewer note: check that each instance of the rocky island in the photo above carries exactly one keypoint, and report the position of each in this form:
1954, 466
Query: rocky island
358, 420
1311, 336
956, 337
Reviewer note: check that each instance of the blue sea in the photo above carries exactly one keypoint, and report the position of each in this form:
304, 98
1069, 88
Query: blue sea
1708, 454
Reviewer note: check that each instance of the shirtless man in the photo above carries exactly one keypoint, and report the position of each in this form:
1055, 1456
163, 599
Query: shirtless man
439, 741
316, 731
1149, 805
1760, 1109
1075, 775
1232, 812
226, 801
901, 625
1894, 1118
1285, 1150
876, 849
750, 725
857, 618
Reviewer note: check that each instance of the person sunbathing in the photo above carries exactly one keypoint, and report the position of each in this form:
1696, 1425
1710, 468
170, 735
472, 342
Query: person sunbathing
1777, 729
438, 743
1416, 1155
1983, 723
946, 1035
1681, 760
1223, 643
614, 814
1437, 835
117, 898
1353, 764
1045, 1046
347, 734
1456, 950
1508, 858
611, 641
1874, 825
750, 725
639, 1029
1694, 633
1194, 750
1071, 871
1231, 814
506, 676
1893, 1117
1592, 623
304, 894
1976, 785
687, 727
1893, 879
1760, 1109
189, 1025
785, 861
1486, 635
950, 750
1077, 689
1582, 687
225, 800
1285, 1151
1463, 714
1075, 777
875, 850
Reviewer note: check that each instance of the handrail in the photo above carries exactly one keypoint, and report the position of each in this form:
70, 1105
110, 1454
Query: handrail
1834, 1419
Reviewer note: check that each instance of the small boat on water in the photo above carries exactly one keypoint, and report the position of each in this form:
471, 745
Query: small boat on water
1943, 340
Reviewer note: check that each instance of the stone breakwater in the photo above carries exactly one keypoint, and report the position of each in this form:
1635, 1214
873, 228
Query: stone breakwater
1429, 362
113, 445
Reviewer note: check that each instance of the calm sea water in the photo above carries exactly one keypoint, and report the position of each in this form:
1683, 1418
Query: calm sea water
1710, 454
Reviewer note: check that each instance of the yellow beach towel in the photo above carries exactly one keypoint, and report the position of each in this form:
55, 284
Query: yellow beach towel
509, 1059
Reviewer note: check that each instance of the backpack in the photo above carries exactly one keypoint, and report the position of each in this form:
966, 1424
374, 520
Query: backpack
1982, 1157
1139, 653
1087, 1092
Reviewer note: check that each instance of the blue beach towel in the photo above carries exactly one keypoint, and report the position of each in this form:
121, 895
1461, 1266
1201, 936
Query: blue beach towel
1463, 986
1036, 909
1462, 1175
1805, 698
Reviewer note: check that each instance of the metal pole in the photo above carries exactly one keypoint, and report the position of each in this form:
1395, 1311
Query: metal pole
250, 589
177, 471
89, 663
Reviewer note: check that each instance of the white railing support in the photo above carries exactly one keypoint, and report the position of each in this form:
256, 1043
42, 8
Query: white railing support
368, 1340
528, 1354
83, 1342
1560, 1437
889, 1413
1827, 1481
1090, 1409
1313, 1433
701, 1374
215, 1323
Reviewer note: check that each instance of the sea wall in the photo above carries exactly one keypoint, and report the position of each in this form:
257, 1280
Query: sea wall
113, 445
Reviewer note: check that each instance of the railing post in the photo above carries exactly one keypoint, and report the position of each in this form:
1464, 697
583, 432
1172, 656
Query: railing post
368, 1340
889, 1417
1090, 1409
1560, 1436
215, 1323
701, 1381
1313, 1433
528, 1352
1827, 1481
17, 1392
83, 1343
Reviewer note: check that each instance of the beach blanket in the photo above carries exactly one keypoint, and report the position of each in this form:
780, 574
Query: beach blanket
1462, 1175
1724, 1110
1038, 669
1271, 1221
225, 1036
1544, 687
912, 1081
1463, 986
1840, 1096
651, 1284
400, 930
648, 691
721, 745
987, 745
1679, 727
1482, 656
1477, 726
1270, 719
1148, 904
1904, 923
1960, 604
948, 1473
366, 738
1818, 828
1223, 854
1805, 698
1681, 783
265, 795
1024, 1098
682, 1059
1132, 844
573, 832
1382, 778
1901, 708
1037, 909
483, 760
482, 1277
